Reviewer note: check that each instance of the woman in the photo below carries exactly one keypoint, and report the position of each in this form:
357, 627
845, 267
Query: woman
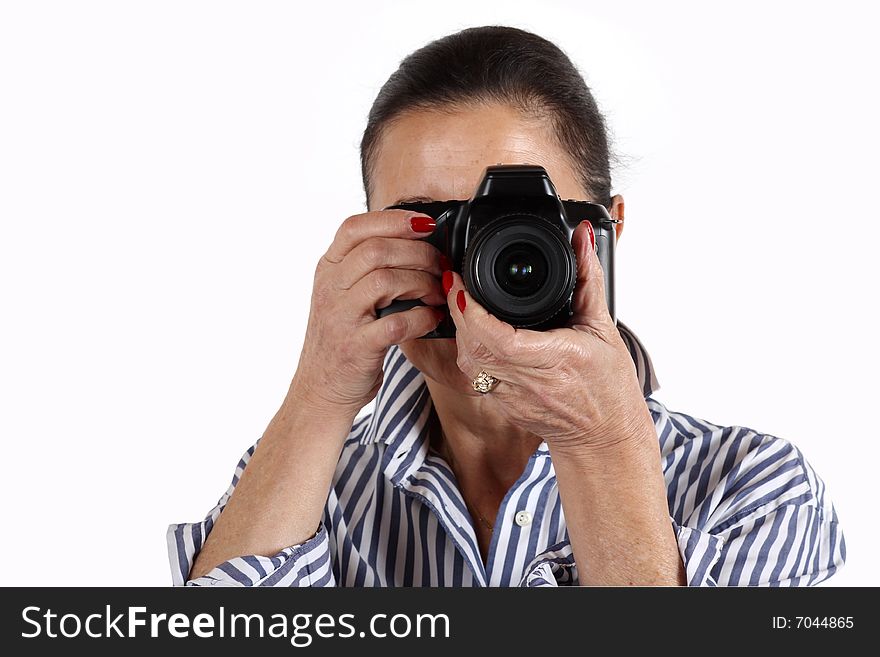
563, 469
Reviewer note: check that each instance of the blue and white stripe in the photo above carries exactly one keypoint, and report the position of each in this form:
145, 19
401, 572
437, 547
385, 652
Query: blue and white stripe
747, 509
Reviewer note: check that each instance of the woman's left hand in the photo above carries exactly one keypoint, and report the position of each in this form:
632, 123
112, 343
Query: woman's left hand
573, 387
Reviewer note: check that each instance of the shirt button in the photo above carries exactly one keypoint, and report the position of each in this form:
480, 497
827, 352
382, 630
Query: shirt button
523, 518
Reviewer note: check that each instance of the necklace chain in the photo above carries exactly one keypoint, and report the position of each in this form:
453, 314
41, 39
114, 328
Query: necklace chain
446, 453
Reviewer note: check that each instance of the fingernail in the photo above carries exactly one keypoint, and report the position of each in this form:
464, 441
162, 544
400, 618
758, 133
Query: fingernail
445, 263
447, 281
422, 224
460, 300
592, 236
439, 314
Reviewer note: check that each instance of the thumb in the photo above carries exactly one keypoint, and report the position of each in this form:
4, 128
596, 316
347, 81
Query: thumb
588, 301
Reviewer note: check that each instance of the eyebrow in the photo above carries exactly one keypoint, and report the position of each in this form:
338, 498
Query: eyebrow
413, 199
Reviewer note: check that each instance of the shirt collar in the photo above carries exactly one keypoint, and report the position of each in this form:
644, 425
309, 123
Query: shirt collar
403, 404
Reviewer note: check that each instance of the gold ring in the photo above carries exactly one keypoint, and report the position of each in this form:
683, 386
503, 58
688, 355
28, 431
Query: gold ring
484, 382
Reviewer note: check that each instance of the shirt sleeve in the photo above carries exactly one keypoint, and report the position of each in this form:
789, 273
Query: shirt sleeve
307, 564
553, 567
759, 516
749, 511
793, 543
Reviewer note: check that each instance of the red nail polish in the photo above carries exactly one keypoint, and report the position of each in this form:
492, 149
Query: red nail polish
460, 300
592, 236
445, 263
422, 224
447, 281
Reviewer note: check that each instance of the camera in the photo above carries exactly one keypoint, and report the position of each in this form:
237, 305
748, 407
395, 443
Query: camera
511, 243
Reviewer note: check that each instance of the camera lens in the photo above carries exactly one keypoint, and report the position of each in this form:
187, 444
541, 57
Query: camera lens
521, 269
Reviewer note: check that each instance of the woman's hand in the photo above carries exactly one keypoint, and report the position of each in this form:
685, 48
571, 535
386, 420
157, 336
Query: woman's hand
375, 258
573, 387
577, 389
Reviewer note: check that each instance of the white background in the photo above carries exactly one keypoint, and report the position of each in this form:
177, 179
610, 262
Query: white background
170, 173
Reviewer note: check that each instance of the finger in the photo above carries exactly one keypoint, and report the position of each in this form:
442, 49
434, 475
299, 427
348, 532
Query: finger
380, 223
589, 306
488, 336
378, 252
398, 327
382, 286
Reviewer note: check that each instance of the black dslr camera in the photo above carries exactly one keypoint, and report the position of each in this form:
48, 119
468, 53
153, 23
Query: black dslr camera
511, 243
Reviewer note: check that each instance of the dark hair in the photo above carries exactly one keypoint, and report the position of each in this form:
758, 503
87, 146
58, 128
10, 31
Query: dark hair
498, 64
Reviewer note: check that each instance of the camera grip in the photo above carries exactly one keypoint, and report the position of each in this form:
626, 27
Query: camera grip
605, 253
398, 306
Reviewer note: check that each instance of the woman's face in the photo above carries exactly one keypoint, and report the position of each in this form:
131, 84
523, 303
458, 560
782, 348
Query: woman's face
426, 155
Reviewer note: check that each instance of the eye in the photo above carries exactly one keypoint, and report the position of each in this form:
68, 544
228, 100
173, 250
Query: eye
413, 199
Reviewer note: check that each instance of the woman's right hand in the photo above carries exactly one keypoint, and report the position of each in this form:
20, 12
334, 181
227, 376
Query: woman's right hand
375, 258
279, 500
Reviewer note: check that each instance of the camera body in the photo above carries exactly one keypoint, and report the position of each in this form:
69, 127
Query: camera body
511, 243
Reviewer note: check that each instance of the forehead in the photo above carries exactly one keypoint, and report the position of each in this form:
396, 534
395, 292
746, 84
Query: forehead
442, 155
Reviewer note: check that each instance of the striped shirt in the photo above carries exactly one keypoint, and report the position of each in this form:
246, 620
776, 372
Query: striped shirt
746, 508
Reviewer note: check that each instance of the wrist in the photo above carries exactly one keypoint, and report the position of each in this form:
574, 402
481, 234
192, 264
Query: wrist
302, 423
623, 447
305, 396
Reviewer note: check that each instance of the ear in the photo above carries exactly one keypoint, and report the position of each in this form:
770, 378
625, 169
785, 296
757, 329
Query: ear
617, 213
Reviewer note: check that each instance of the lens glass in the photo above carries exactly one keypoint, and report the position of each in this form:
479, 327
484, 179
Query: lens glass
521, 269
